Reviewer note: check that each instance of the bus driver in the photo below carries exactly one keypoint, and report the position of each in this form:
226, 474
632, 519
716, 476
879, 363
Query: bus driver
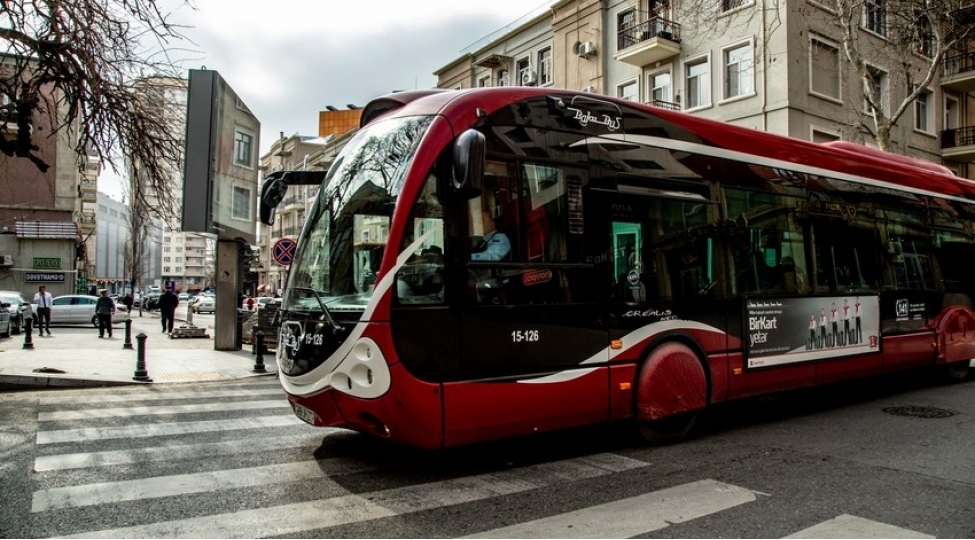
494, 245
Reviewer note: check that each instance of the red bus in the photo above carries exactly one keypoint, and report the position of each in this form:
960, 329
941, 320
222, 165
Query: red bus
488, 263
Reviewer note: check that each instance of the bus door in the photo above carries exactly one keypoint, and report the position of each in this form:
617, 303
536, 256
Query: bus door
534, 350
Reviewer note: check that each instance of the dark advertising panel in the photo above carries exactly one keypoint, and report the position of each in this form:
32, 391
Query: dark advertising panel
790, 330
220, 180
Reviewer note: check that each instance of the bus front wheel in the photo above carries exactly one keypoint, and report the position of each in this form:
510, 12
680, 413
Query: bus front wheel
672, 389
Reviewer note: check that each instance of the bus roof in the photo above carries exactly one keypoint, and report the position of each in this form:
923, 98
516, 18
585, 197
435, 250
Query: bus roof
465, 107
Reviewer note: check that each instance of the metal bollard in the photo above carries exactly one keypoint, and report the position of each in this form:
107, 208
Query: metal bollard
259, 344
128, 334
140, 365
28, 329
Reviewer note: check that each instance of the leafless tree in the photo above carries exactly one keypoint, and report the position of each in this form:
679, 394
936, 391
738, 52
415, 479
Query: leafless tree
84, 64
911, 38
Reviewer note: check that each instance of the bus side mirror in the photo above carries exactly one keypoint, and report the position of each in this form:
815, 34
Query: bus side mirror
467, 172
272, 193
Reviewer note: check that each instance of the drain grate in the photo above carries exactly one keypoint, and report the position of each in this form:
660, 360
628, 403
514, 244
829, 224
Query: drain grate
918, 411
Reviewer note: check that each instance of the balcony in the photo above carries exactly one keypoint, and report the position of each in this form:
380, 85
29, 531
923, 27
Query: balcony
958, 72
958, 144
649, 41
669, 105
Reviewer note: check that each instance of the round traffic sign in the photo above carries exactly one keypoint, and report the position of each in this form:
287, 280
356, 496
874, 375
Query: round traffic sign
284, 251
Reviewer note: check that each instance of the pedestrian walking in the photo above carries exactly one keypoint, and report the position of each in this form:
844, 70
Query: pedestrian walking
167, 309
44, 301
127, 301
104, 309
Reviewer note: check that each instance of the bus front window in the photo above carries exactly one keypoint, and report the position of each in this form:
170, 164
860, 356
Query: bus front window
343, 243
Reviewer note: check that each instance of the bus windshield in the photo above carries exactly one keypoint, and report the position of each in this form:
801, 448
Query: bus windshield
345, 236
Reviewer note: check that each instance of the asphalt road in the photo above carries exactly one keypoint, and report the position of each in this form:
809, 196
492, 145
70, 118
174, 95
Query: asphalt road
886, 458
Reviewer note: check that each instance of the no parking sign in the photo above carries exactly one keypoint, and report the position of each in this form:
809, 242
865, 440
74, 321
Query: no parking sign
284, 251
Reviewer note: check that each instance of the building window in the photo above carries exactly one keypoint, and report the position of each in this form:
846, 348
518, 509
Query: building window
922, 112
728, 5
243, 149
739, 71
545, 66
503, 79
824, 68
167, 259
698, 83
875, 16
626, 29
242, 203
484, 82
165, 269
523, 69
661, 88
820, 136
627, 91
880, 85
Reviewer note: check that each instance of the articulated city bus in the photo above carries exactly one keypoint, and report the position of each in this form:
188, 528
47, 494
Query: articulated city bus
495, 262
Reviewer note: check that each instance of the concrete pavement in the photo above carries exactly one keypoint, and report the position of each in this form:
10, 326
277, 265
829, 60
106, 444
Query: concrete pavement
75, 357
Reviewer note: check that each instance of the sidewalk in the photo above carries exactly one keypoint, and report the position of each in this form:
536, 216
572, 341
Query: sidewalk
75, 357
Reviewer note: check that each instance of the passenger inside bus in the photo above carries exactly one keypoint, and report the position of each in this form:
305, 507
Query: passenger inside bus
493, 245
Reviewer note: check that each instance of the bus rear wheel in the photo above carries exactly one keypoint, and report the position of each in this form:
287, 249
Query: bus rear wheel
956, 371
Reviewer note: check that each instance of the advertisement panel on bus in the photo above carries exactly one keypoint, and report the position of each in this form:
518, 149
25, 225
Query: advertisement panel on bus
790, 330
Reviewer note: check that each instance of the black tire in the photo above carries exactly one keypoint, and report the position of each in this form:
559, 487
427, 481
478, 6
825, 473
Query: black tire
668, 430
956, 372
94, 321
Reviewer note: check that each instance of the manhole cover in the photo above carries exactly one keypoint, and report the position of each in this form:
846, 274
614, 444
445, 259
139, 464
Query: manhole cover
919, 412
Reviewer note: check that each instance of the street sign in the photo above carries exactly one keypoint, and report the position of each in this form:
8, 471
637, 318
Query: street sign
284, 251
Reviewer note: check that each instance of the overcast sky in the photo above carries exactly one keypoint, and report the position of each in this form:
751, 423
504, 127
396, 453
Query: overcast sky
288, 59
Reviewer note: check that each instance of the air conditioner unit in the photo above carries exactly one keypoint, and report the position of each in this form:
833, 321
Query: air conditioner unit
590, 89
528, 78
6, 260
587, 48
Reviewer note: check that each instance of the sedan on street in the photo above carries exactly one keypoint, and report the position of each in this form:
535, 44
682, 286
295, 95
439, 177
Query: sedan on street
80, 309
203, 304
17, 306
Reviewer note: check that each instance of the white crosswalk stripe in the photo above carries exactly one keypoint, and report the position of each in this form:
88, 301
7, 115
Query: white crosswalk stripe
847, 526
121, 412
633, 516
159, 430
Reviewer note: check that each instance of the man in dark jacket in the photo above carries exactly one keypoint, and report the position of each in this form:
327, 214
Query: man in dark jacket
104, 309
167, 308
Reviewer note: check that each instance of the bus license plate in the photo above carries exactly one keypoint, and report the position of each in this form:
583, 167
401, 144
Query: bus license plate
305, 414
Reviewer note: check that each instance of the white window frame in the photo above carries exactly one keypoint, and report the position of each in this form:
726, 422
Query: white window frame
625, 84
884, 90
839, 73
709, 98
504, 77
240, 160
749, 76
814, 129
881, 5
953, 121
522, 66
741, 4
546, 66
926, 125
240, 193
668, 70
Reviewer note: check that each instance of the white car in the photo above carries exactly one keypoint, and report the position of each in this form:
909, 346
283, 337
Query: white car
203, 304
80, 309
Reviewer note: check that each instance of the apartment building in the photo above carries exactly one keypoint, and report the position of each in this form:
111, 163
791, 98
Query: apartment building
112, 231
773, 66
41, 211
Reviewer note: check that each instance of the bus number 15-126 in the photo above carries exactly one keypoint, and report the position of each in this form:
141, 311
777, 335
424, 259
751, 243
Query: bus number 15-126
519, 336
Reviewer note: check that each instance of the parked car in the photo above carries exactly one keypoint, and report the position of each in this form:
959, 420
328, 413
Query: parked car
80, 309
17, 305
4, 320
203, 304
151, 301
183, 296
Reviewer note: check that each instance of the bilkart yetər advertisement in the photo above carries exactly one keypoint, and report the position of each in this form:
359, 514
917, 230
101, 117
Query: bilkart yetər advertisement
782, 331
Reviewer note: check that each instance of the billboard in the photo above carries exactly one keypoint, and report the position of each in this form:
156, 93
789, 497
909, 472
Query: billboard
220, 180
789, 330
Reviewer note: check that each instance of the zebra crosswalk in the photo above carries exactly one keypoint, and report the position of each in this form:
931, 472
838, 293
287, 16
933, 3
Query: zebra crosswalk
233, 462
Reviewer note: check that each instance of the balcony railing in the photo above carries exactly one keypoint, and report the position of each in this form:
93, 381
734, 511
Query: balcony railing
664, 104
953, 138
646, 30
959, 63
